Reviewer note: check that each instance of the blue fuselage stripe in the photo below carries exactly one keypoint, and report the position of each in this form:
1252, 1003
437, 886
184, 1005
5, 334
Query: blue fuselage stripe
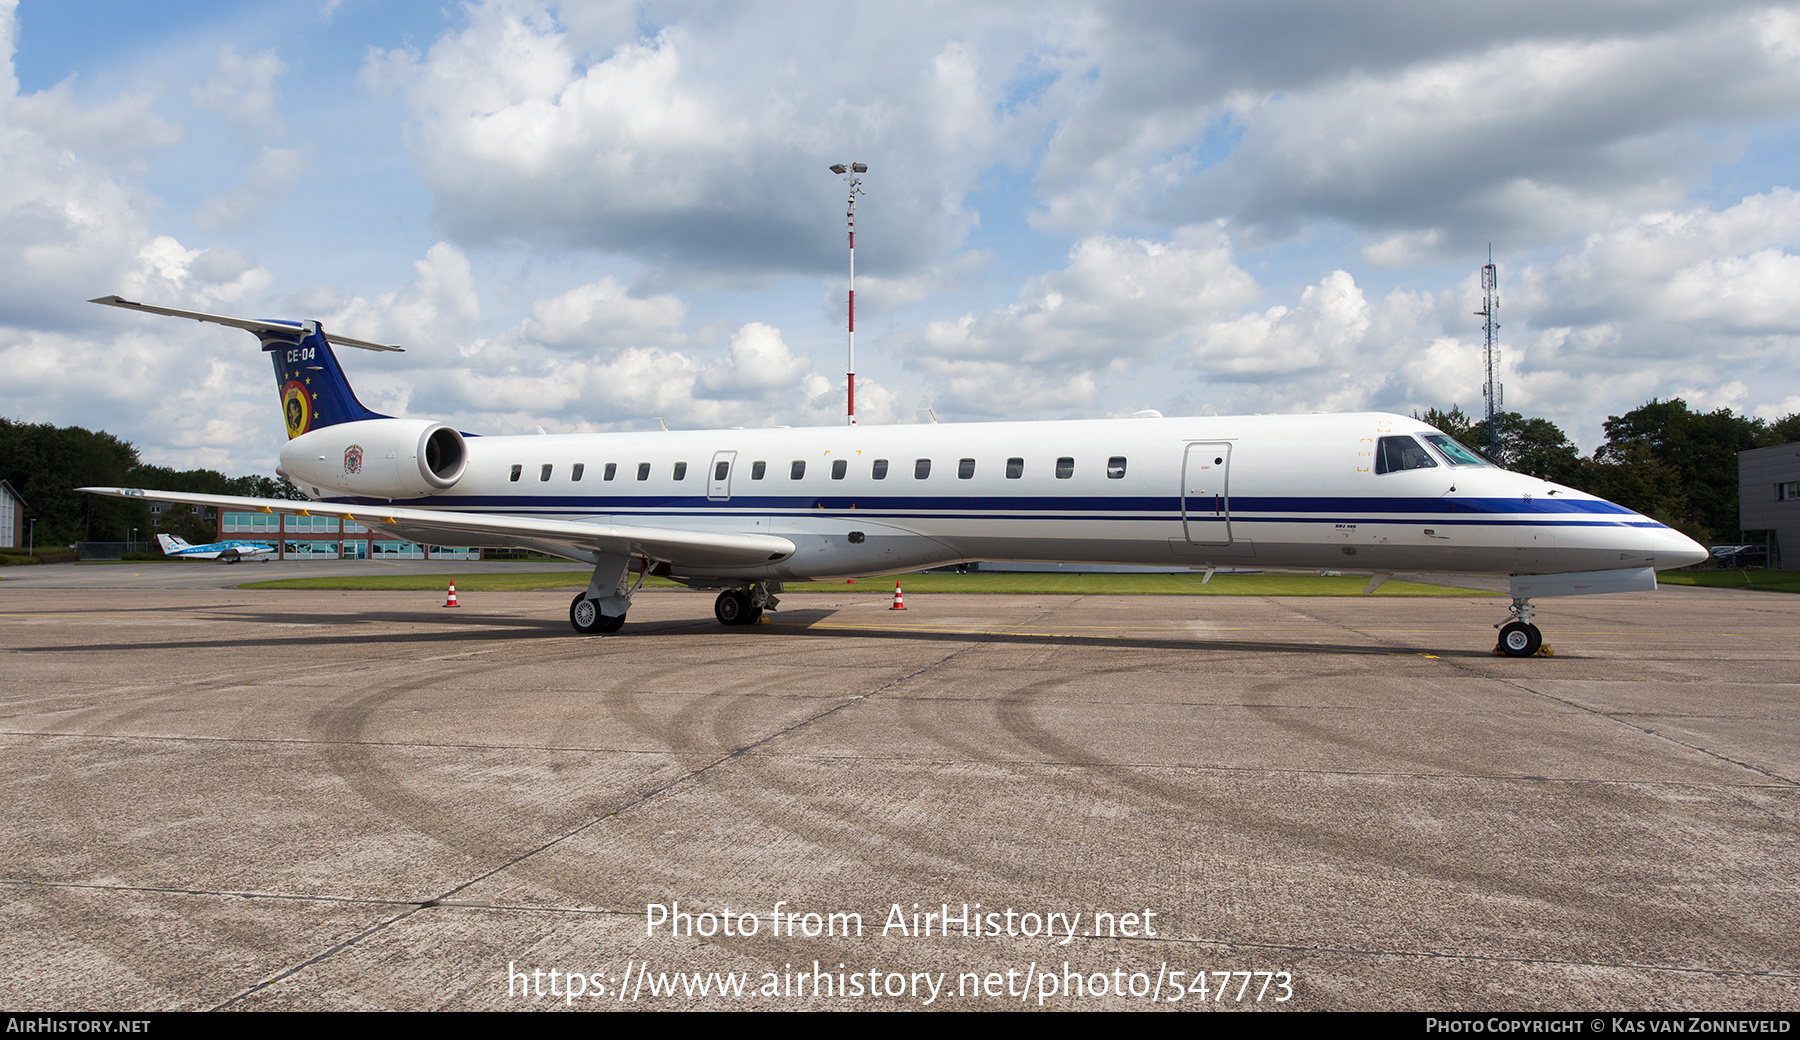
1498, 512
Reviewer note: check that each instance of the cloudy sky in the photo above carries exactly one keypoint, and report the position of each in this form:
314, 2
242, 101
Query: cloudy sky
586, 216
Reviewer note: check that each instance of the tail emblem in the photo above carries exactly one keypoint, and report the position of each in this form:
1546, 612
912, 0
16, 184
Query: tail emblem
297, 407
353, 459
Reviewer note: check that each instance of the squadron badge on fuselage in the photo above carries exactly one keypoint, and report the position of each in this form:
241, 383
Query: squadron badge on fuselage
353, 459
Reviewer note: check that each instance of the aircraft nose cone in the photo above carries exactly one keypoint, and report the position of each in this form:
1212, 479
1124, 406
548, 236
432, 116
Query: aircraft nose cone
1673, 549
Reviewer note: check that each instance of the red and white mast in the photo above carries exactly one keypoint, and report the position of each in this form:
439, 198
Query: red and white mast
849, 172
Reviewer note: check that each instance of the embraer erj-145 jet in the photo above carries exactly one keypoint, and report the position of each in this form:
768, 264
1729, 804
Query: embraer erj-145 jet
226, 552
746, 510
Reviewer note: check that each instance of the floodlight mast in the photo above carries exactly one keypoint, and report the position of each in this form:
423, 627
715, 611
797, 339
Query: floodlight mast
849, 172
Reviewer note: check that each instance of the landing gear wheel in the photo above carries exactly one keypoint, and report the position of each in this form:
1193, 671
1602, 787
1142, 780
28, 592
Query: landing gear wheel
1518, 639
732, 608
753, 616
585, 616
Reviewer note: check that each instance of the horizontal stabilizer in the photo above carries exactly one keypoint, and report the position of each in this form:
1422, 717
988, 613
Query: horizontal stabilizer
278, 329
692, 548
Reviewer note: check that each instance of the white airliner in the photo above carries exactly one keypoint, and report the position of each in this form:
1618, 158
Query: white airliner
226, 552
746, 510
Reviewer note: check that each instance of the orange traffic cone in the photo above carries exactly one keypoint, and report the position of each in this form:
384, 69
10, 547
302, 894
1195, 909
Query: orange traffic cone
899, 603
451, 602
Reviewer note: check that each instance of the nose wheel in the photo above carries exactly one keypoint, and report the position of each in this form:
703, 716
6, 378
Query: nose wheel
1519, 637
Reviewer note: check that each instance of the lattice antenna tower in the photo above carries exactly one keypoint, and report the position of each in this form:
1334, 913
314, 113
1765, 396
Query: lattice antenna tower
1490, 309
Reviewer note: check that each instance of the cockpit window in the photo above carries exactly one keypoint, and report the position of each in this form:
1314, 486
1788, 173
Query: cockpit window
1393, 454
1453, 452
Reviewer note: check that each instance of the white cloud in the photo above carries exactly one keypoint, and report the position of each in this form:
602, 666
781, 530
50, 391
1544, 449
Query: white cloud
1402, 123
1324, 330
242, 90
120, 130
602, 314
1117, 305
1692, 270
265, 183
759, 363
591, 358
197, 277
687, 146
437, 308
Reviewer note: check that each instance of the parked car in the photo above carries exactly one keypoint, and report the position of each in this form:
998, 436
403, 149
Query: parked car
1740, 556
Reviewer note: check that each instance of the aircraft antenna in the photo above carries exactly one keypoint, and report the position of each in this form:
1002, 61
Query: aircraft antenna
1490, 309
849, 172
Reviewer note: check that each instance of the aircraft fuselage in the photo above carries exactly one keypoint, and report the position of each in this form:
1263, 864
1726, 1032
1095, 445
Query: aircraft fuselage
1302, 491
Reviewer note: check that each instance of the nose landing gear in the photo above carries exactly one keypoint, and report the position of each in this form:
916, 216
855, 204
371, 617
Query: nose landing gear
1519, 637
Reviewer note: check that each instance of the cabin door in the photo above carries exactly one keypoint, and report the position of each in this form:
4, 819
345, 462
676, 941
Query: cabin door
718, 478
1206, 493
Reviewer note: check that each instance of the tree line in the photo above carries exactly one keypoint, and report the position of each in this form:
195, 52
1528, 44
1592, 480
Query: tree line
45, 464
1662, 459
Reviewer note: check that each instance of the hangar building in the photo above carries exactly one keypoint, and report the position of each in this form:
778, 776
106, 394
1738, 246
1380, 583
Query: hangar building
1769, 501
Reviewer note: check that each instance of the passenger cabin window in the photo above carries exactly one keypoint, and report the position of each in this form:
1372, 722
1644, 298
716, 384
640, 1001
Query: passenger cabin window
1393, 454
757, 469
681, 471
797, 470
1115, 468
1065, 468
576, 471
1015, 468
1453, 451
721, 470
879, 470
839, 468
965, 469
643, 471
612, 470
544, 473
921, 469
516, 470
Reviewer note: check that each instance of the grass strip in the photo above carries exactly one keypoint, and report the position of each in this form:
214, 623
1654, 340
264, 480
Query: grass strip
1756, 578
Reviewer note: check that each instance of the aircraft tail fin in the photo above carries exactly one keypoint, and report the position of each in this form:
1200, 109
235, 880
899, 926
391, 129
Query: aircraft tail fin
314, 392
170, 543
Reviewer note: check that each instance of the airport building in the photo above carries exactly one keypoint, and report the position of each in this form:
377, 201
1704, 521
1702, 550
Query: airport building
328, 538
1769, 501
12, 517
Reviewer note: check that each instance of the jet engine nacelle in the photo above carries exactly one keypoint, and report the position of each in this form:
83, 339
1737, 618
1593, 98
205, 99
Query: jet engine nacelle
377, 458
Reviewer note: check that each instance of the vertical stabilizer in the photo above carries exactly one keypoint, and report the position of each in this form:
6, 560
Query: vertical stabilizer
314, 392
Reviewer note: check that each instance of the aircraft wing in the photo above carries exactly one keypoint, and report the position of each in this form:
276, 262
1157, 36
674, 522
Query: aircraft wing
573, 538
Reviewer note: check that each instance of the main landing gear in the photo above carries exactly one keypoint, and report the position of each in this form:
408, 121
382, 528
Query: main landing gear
745, 606
601, 607
585, 615
1519, 637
